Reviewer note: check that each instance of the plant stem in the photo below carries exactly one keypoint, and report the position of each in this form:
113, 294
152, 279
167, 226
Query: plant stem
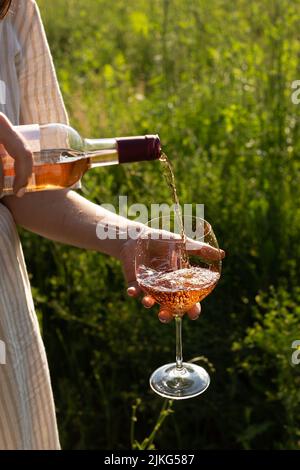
164, 413
132, 425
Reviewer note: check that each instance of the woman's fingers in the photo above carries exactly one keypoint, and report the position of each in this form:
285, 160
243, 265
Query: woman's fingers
133, 291
204, 250
23, 170
164, 315
148, 301
194, 312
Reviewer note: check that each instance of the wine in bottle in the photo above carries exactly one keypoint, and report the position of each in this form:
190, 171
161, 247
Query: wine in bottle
61, 156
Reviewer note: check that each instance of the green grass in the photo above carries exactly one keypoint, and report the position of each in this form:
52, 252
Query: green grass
213, 79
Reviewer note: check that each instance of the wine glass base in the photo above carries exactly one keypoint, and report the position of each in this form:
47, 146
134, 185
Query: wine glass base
179, 384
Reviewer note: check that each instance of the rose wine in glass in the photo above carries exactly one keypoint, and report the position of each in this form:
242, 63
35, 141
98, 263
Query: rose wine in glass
178, 272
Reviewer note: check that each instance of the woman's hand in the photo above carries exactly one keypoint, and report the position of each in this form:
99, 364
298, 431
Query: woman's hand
127, 258
17, 148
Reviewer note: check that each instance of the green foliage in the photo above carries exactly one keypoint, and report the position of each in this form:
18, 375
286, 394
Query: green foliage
213, 78
264, 357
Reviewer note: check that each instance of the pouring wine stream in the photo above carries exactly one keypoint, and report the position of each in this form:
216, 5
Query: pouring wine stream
177, 282
184, 259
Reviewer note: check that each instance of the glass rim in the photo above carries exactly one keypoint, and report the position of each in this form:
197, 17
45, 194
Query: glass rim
207, 228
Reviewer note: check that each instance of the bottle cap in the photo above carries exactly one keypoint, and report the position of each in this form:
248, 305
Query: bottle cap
139, 148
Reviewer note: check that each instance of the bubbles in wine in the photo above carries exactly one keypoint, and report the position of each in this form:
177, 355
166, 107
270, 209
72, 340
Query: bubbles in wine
178, 290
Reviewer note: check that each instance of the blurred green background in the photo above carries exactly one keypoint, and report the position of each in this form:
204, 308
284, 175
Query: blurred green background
213, 79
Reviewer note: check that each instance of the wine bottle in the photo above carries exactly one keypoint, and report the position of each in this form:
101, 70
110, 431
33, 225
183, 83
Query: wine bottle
61, 156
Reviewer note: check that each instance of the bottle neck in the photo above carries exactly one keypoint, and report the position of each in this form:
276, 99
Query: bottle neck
101, 152
122, 150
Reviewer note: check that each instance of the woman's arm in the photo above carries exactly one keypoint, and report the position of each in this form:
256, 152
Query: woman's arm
66, 217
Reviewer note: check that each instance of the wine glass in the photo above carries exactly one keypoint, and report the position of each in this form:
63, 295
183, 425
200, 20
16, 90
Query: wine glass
178, 264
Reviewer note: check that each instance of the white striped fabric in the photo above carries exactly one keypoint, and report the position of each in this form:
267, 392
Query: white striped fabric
27, 413
26, 68
29, 93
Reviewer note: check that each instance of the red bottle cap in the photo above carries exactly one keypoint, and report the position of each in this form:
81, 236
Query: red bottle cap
139, 148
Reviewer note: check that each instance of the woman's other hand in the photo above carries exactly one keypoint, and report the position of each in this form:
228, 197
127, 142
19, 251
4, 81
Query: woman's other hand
18, 149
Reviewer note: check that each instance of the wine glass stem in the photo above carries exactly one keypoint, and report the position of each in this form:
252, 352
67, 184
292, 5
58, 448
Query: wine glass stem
178, 323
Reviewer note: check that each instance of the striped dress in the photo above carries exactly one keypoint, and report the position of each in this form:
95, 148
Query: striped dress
29, 93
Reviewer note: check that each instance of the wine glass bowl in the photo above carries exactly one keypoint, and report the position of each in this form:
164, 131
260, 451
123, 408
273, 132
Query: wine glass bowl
175, 272
178, 266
